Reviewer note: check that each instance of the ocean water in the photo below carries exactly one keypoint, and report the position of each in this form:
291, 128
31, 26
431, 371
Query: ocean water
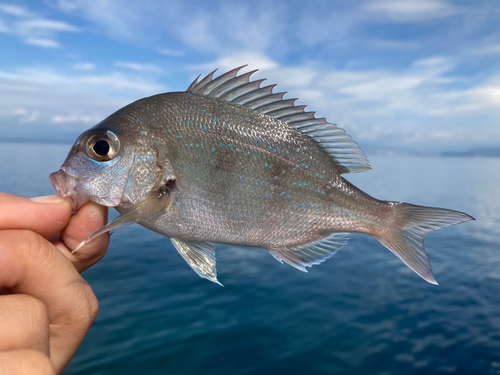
360, 312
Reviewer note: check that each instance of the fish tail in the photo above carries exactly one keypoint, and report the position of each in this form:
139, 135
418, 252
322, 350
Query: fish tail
409, 225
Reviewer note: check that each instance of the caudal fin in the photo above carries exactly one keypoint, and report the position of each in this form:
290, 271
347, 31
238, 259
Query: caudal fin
410, 225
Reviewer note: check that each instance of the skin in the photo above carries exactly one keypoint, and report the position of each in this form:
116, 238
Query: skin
46, 307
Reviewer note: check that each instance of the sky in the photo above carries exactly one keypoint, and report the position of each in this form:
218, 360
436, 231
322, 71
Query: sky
421, 75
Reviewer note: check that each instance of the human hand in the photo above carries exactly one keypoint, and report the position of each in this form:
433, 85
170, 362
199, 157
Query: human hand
46, 307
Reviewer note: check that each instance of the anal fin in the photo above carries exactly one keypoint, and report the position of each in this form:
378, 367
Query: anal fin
311, 253
200, 256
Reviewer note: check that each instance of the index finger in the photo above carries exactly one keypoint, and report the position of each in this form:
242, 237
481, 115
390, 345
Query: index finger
46, 216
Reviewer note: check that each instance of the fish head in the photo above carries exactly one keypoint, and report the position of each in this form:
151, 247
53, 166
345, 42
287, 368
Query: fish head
111, 166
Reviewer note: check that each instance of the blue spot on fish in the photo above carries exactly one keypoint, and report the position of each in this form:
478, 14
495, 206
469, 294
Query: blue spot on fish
138, 120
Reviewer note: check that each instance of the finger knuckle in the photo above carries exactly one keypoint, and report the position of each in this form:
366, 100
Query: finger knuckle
35, 313
88, 306
34, 244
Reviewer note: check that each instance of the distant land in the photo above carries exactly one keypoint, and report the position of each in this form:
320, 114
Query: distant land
483, 152
486, 152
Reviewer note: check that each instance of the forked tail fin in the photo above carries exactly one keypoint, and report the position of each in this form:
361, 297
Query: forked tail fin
409, 226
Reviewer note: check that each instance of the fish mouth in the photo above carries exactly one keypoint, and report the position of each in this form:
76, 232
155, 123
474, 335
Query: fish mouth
68, 187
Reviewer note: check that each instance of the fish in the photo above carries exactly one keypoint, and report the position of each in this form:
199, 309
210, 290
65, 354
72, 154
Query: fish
230, 161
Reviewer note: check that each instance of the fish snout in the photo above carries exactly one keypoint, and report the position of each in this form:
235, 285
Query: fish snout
68, 187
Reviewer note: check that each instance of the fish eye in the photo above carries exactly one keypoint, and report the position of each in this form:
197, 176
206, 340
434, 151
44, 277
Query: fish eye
102, 146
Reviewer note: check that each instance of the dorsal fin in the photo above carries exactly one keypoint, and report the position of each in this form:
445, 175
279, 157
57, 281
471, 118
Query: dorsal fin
239, 89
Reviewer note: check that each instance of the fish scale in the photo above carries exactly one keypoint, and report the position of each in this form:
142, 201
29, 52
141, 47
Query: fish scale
231, 162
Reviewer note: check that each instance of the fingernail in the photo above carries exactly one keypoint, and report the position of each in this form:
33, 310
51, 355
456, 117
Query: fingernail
48, 199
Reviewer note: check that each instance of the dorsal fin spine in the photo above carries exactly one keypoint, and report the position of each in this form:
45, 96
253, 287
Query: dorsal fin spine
204, 81
266, 109
256, 104
242, 90
299, 116
287, 111
260, 92
193, 84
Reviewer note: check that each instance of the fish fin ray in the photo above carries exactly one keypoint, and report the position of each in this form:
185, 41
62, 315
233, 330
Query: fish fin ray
239, 89
200, 256
141, 210
209, 77
193, 84
311, 253
406, 236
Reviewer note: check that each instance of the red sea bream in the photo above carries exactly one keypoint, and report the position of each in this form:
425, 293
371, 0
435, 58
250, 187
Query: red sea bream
229, 161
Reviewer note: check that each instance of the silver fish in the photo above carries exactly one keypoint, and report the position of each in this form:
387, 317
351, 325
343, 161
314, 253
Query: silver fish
229, 161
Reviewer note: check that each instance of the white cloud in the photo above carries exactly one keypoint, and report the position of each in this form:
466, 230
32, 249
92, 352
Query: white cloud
493, 49
72, 119
410, 10
3, 27
41, 42
14, 10
83, 66
31, 117
138, 67
171, 52
41, 32
120, 81
46, 25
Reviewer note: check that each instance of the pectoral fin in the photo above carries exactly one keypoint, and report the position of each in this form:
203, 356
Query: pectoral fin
142, 210
200, 256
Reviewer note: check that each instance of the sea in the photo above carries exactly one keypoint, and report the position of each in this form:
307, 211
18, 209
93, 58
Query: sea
360, 312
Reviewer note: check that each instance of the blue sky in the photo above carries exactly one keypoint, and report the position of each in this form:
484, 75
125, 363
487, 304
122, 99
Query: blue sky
403, 74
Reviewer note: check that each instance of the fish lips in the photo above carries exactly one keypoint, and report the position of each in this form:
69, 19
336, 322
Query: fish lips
68, 187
